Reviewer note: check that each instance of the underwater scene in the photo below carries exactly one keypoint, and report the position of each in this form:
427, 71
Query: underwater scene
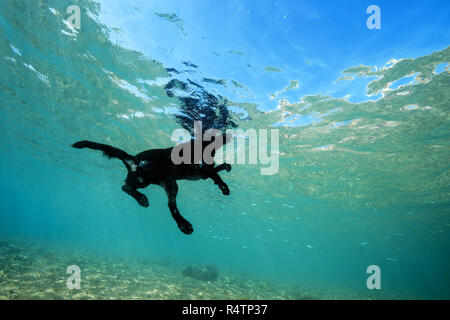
338, 113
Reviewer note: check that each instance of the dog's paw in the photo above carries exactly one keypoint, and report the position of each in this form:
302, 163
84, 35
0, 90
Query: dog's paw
185, 227
225, 190
228, 167
143, 201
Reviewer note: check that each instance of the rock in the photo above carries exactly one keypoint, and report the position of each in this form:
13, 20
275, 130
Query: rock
206, 273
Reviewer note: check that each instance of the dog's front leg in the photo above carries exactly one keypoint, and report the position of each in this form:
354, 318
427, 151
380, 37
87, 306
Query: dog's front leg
140, 198
222, 185
171, 188
223, 166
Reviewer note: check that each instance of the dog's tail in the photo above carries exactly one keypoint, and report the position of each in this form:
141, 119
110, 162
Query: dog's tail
108, 151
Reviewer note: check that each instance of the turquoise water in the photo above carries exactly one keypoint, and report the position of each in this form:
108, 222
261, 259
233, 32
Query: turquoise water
363, 179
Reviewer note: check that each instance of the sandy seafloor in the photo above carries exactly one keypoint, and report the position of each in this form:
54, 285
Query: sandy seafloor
30, 270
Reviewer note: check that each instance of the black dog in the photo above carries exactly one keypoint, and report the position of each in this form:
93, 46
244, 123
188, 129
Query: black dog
156, 167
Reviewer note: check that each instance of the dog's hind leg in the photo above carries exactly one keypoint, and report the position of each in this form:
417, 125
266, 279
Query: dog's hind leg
222, 185
140, 198
171, 188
